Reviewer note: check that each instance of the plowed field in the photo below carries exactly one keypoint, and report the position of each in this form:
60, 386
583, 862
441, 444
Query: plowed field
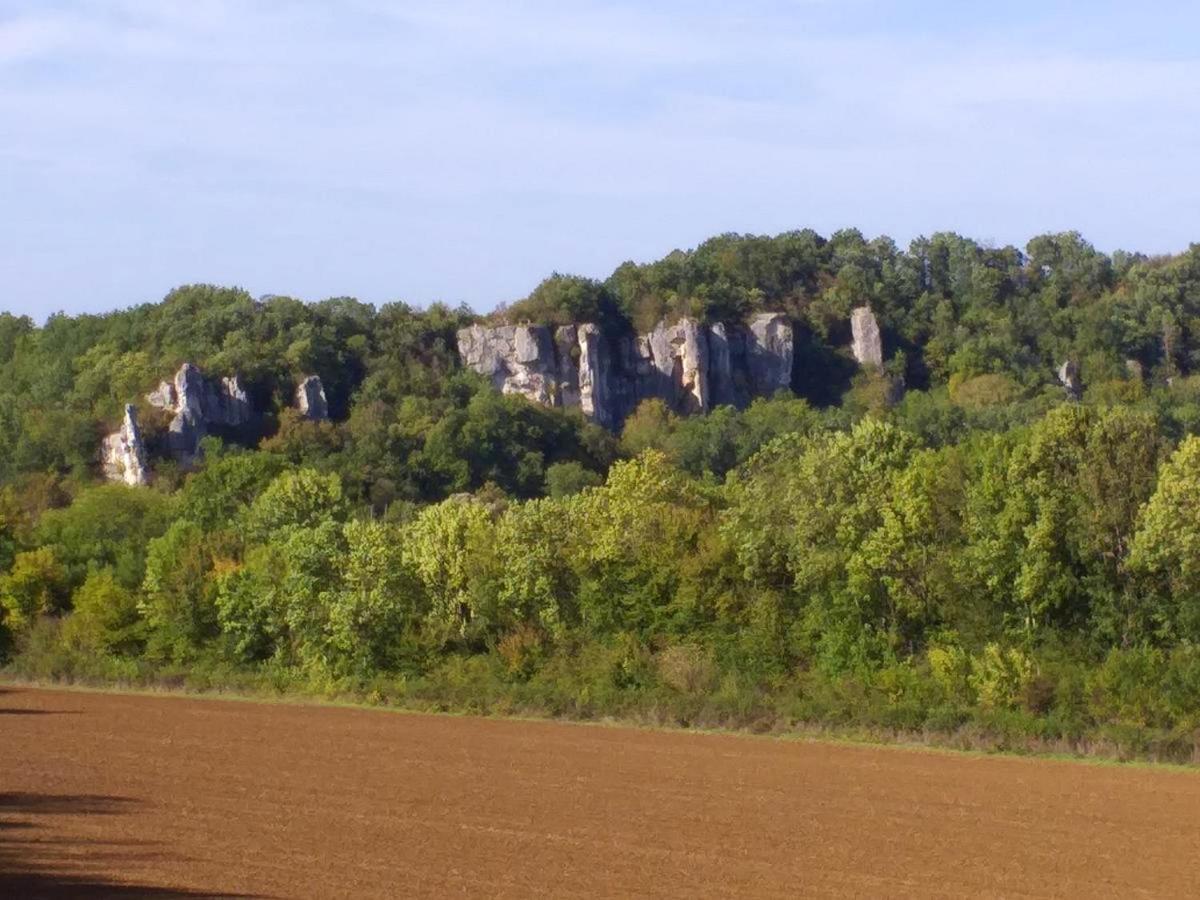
133, 796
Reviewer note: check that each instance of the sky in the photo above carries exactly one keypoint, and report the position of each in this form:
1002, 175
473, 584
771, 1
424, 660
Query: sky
461, 150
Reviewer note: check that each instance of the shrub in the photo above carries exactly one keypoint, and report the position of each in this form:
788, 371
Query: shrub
1128, 688
687, 668
1181, 686
1000, 676
632, 665
523, 651
950, 666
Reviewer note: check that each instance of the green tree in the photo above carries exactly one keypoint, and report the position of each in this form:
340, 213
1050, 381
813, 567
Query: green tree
34, 586
177, 594
567, 478
104, 616
1166, 546
637, 545
301, 498
445, 546
378, 603
107, 526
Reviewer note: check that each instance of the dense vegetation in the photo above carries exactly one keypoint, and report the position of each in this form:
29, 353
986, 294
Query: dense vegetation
978, 554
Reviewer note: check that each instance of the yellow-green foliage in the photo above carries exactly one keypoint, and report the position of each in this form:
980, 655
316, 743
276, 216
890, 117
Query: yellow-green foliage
950, 666
688, 668
32, 587
105, 615
999, 676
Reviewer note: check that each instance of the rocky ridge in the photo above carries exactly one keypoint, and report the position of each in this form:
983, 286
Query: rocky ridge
1068, 377
691, 366
197, 405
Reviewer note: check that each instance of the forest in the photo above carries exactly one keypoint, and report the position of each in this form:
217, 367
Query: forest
953, 546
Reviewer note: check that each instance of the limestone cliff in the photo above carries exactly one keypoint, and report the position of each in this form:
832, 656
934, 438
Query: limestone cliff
690, 366
123, 453
867, 344
310, 399
199, 404
672, 363
519, 359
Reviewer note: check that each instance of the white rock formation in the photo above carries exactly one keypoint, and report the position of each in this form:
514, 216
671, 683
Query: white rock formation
678, 365
310, 399
123, 454
1068, 377
519, 359
689, 366
867, 344
197, 405
770, 348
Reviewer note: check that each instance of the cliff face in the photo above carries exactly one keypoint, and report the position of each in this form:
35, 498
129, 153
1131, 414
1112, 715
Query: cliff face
690, 366
868, 343
310, 399
198, 404
123, 453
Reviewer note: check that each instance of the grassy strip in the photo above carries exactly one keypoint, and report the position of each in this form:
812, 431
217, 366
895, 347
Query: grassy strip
475, 690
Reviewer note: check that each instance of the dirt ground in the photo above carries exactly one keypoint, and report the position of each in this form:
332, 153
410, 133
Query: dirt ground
134, 796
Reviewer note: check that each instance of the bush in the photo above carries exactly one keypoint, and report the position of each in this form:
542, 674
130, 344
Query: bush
687, 668
1128, 688
631, 665
999, 676
1181, 687
523, 651
950, 667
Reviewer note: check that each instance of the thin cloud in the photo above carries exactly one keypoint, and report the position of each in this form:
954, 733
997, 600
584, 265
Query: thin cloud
562, 135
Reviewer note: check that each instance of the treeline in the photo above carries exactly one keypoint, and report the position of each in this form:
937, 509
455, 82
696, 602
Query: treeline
979, 553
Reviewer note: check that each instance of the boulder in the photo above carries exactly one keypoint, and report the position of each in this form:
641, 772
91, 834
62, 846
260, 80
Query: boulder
722, 387
598, 395
232, 407
674, 365
568, 355
189, 425
123, 454
163, 396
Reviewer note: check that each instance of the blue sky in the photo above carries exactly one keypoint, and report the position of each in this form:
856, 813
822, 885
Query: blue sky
462, 150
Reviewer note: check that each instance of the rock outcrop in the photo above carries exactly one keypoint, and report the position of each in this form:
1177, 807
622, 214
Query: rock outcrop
123, 454
689, 366
519, 359
310, 399
672, 364
867, 342
198, 405
1068, 377
770, 348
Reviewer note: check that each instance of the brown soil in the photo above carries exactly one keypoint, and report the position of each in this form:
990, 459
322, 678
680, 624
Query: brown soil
133, 796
